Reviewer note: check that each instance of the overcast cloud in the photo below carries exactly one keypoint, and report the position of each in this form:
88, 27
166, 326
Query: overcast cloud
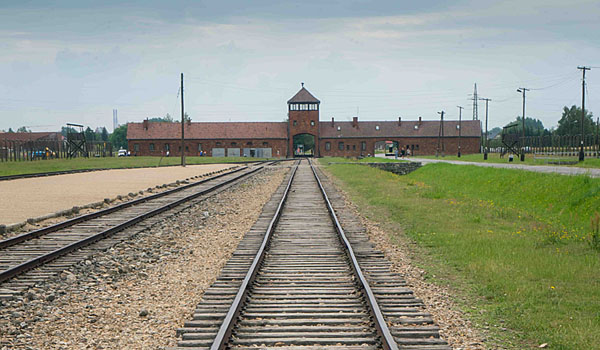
76, 61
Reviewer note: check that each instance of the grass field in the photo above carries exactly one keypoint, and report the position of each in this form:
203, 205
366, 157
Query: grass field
529, 160
516, 245
41, 166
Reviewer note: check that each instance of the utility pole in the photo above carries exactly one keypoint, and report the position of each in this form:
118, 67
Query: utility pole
581, 153
485, 149
182, 126
475, 99
459, 127
441, 134
523, 90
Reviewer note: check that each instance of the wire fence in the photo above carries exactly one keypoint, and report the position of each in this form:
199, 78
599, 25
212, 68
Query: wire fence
19, 151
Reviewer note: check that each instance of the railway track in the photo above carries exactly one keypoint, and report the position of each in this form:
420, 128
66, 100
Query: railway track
34, 256
299, 280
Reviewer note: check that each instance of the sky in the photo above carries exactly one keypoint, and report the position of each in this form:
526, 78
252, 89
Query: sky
76, 61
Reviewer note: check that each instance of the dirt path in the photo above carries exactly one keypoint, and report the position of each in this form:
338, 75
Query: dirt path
27, 198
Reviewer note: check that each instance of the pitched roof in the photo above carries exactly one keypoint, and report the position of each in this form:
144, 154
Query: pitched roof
208, 130
303, 96
30, 136
428, 128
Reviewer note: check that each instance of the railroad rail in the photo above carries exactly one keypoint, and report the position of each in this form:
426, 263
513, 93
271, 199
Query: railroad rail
22, 253
299, 280
77, 171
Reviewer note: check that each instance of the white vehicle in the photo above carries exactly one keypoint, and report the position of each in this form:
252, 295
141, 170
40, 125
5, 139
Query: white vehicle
122, 153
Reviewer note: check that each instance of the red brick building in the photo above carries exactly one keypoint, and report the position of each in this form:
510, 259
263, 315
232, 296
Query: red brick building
284, 139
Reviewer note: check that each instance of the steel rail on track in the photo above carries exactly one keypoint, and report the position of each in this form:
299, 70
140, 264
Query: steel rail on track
227, 326
388, 341
86, 217
45, 258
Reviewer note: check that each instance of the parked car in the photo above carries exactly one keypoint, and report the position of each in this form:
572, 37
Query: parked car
122, 153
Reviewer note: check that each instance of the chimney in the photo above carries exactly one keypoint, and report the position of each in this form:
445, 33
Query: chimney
399, 121
189, 122
332, 122
355, 122
145, 124
419, 121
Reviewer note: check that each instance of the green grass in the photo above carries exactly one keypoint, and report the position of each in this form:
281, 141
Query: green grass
50, 165
514, 244
529, 160
362, 160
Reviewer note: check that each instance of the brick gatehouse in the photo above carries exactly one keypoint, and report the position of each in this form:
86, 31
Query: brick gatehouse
284, 139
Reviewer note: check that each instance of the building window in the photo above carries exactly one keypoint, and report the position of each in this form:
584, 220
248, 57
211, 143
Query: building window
347, 147
295, 123
339, 128
218, 143
341, 146
354, 147
376, 127
363, 146
234, 143
416, 127
199, 147
136, 147
417, 147
249, 143
167, 147
179, 148
312, 123
187, 148
151, 147
327, 146
412, 146
265, 144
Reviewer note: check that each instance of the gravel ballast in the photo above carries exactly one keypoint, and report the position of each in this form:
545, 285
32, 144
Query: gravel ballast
439, 301
135, 295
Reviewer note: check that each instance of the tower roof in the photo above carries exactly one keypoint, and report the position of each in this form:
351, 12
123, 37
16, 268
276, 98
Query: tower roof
303, 96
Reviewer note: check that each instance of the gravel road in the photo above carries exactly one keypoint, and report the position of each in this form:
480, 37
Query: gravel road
29, 198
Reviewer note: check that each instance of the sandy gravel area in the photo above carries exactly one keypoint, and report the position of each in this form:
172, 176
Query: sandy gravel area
29, 198
139, 292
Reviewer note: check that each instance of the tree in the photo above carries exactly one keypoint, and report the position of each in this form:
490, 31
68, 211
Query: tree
67, 129
11, 130
533, 127
186, 117
166, 119
23, 129
119, 137
90, 135
570, 122
104, 134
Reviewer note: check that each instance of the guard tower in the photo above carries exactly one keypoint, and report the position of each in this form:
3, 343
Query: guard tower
303, 122
75, 141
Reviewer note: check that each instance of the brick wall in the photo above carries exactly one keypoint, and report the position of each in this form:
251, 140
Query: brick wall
278, 146
353, 147
303, 122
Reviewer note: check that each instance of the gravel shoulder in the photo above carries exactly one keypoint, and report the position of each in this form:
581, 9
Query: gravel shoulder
455, 328
139, 292
29, 198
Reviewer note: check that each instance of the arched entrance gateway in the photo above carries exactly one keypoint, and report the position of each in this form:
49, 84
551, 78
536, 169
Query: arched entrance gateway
303, 124
304, 145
